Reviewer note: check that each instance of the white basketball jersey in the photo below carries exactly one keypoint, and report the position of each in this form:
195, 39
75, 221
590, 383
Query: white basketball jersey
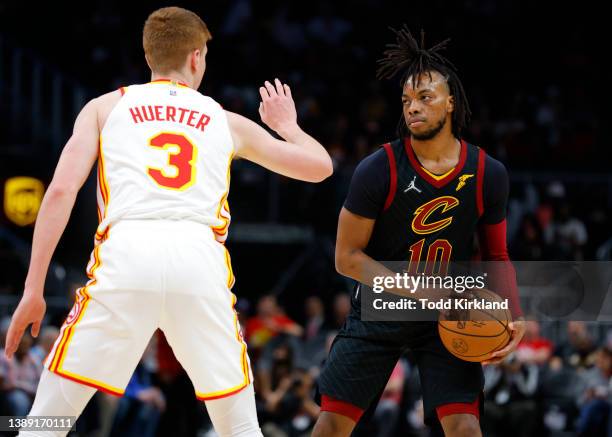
165, 153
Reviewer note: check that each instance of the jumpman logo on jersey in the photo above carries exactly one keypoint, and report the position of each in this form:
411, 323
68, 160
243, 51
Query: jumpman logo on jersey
411, 186
462, 181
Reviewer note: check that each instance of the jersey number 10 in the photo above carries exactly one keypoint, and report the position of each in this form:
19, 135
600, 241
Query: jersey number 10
438, 255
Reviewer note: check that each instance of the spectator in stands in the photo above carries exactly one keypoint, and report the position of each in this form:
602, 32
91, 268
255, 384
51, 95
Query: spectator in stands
578, 347
550, 197
19, 377
533, 348
268, 323
315, 317
312, 349
286, 404
566, 234
510, 399
341, 309
529, 243
595, 400
141, 406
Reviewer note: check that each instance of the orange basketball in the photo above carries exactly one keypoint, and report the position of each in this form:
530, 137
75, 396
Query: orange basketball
483, 332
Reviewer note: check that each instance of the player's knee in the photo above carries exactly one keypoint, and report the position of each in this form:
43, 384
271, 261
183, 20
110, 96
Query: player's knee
332, 425
462, 425
250, 430
323, 428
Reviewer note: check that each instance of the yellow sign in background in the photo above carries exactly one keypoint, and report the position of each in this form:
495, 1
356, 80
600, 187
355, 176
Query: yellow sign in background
22, 198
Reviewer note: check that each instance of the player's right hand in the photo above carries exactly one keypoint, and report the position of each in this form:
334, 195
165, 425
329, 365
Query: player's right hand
31, 310
277, 108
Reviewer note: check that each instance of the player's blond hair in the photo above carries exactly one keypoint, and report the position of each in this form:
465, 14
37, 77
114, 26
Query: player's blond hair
169, 35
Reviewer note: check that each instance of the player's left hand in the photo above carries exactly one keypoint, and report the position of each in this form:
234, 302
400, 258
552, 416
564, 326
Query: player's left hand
277, 108
517, 330
31, 310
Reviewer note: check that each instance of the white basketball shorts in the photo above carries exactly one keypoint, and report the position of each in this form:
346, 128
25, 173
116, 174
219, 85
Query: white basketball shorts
151, 274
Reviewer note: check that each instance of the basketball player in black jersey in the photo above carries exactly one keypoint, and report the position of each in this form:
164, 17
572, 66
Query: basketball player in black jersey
427, 193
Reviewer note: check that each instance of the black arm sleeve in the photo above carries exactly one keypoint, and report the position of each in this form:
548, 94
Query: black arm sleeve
369, 186
495, 191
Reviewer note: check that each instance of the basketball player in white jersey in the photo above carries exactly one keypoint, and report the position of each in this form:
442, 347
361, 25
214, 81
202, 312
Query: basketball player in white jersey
163, 152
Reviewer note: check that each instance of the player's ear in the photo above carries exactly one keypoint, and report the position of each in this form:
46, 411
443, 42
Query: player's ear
148, 62
194, 57
450, 104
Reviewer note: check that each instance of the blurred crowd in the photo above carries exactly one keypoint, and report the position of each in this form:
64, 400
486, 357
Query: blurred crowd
545, 388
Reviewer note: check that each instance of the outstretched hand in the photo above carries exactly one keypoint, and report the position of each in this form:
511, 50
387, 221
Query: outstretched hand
277, 108
31, 310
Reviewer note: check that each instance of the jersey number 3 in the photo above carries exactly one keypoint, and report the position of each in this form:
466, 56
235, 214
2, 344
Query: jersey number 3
182, 160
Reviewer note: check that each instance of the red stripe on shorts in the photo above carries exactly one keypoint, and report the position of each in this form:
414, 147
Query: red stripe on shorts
340, 407
459, 408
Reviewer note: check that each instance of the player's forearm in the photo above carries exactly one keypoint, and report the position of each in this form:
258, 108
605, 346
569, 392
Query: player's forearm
320, 162
294, 329
501, 272
274, 398
52, 219
356, 265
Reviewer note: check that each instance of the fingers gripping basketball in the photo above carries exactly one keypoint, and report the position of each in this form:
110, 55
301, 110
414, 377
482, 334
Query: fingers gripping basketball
474, 334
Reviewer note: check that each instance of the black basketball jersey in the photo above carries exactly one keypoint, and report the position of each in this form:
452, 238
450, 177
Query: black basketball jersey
424, 222
425, 218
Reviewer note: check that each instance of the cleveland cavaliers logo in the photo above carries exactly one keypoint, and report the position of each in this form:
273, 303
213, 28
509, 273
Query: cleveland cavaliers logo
421, 223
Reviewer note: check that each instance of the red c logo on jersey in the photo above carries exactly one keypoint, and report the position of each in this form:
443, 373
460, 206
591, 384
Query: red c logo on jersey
419, 222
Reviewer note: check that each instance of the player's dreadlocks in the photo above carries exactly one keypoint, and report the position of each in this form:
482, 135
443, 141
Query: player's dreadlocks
414, 59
